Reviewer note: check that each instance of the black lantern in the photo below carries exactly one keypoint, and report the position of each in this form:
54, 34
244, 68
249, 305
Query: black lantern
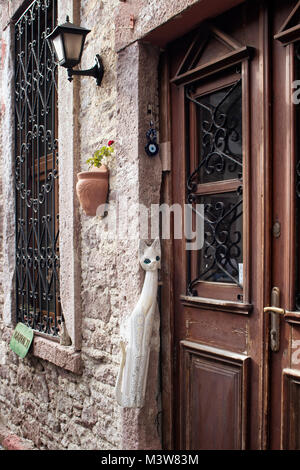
68, 42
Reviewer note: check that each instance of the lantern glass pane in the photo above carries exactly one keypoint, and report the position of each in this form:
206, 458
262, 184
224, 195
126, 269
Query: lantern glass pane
73, 46
58, 46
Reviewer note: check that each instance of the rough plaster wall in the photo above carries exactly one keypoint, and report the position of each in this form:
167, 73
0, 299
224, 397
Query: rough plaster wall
148, 15
100, 290
43, 403
39, 401
1, 199
154, 13
7, 139
137, 89
110, 270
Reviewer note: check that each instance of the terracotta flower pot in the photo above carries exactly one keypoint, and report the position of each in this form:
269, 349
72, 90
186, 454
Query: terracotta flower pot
92, 188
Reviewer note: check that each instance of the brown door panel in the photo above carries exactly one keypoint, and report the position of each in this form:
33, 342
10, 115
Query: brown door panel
214, 397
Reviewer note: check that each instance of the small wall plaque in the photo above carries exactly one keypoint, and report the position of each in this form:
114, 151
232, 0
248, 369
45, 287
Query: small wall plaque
21, 340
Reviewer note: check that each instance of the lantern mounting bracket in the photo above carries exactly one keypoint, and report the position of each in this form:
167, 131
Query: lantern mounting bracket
97, 71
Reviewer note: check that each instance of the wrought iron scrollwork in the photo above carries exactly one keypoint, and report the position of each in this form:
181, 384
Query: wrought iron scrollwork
220, 159
218, 133
36, 170
219, 259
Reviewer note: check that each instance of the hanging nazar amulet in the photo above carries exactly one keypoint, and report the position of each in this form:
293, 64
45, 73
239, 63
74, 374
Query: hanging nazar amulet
152, 146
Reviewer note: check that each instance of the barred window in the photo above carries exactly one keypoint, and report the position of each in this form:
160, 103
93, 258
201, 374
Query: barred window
36, 170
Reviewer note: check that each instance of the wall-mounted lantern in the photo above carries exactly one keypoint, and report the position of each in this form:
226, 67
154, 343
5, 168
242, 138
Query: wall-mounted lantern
68, 42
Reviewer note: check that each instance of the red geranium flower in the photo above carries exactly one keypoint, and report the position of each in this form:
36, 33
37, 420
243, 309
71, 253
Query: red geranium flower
110, 142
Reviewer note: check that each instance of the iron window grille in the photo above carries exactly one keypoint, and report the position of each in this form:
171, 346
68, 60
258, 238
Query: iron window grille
36, 170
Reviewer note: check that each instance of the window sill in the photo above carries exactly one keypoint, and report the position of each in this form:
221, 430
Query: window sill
62, 356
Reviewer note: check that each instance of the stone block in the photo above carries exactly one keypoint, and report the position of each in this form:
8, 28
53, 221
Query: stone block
64, 357
88, 416
40, 388
31, 431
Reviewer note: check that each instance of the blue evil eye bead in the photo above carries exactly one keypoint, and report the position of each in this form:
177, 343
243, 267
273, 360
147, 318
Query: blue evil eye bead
157, 258
147, 261
152, 149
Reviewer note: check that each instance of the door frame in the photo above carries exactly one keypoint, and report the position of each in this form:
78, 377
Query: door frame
263, 240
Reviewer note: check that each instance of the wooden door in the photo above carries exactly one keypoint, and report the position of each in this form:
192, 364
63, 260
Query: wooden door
235, 166
284, 364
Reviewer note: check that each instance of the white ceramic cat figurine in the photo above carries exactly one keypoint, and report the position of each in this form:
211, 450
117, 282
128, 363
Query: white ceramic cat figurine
132, 377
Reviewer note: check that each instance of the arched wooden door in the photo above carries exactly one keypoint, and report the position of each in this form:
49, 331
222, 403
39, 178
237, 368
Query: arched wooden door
234, 117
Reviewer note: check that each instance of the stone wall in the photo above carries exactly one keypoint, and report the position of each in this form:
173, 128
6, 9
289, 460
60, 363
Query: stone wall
1, 214
49, 406
56, 409
39, 401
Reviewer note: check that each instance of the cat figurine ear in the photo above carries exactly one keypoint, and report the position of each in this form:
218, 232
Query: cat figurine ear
156, 244
142, 247
157, 250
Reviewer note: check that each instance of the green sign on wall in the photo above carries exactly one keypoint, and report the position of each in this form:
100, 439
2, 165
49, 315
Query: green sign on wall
21, 339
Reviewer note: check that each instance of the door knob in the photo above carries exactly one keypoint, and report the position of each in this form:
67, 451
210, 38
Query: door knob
275, 313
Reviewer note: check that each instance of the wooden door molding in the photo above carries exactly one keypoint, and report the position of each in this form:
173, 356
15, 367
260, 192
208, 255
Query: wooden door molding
167, 271
290, 410
240, 308
198, 63
290, 30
